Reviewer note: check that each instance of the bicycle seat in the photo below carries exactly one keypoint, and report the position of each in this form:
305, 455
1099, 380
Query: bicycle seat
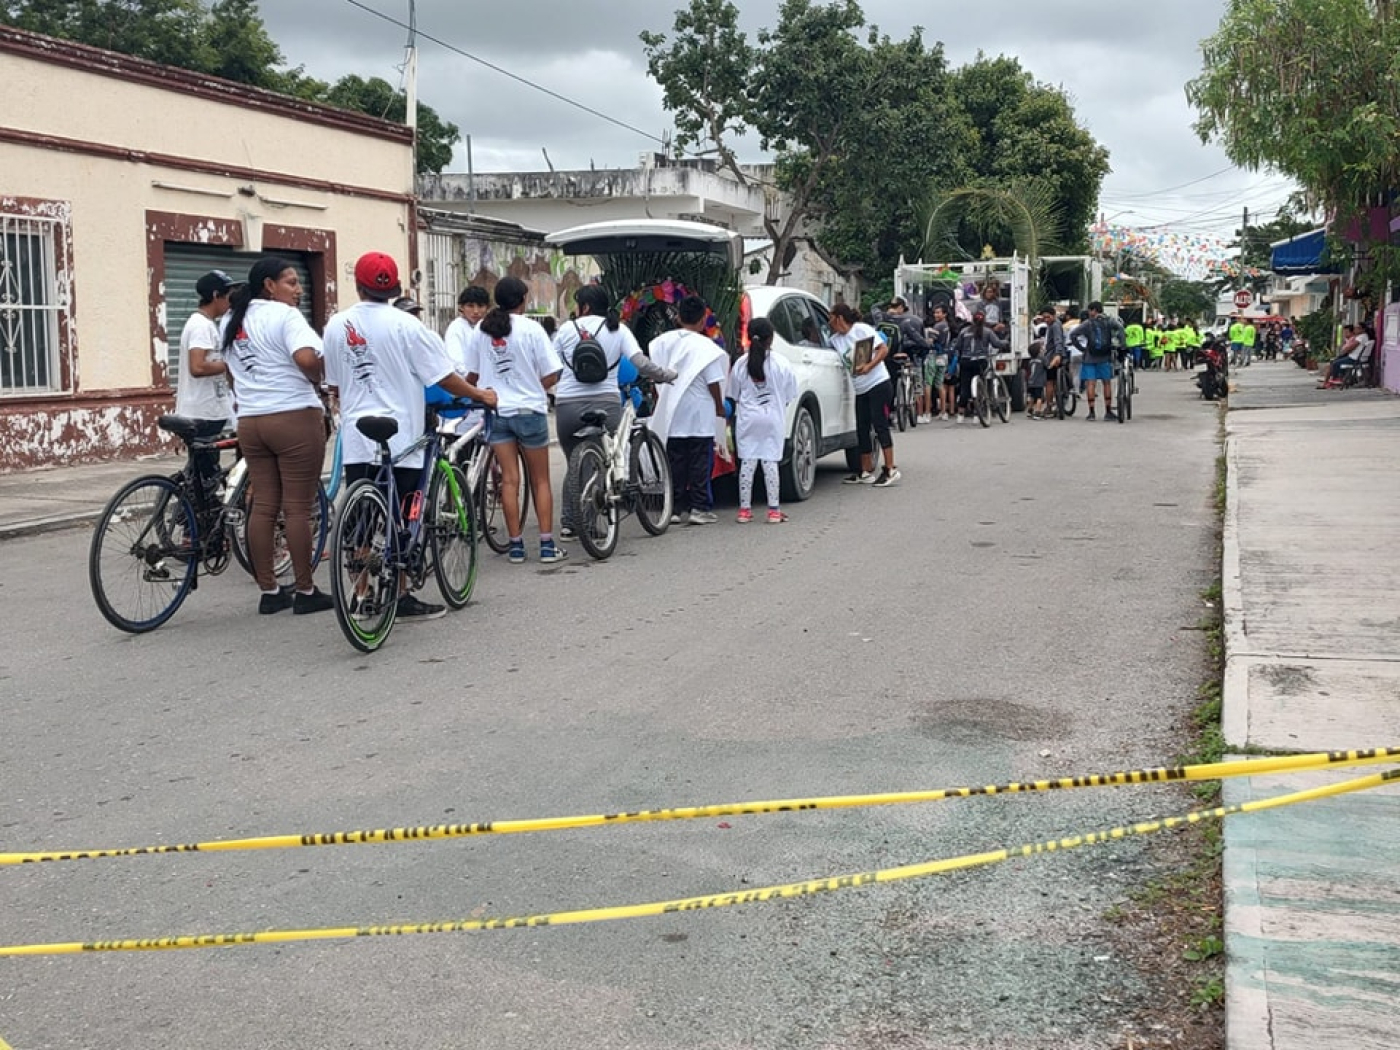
594, 417
378, 429
182, 427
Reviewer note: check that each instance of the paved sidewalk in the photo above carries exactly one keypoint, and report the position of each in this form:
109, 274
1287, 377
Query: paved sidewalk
1312, 634
58, 497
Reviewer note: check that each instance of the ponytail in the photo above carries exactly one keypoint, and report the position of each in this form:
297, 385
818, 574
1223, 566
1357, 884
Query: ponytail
266, 269
509, 294
760, 340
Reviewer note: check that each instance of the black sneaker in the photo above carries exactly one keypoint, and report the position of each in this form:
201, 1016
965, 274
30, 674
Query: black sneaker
316, 601
410, 608
1091, 417
1110, 416
275, 603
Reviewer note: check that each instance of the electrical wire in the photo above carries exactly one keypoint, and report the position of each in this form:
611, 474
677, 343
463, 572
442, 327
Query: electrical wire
507, 73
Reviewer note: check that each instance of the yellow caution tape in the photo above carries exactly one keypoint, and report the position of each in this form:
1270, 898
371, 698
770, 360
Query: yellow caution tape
1210, 771
721, 900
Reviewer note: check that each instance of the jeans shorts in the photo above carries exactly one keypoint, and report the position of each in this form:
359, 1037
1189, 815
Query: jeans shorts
1092, 370
528, 430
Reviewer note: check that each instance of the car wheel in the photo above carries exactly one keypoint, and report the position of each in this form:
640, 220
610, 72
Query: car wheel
798, 475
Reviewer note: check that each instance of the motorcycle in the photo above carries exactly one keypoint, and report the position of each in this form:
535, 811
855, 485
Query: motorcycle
1214, 381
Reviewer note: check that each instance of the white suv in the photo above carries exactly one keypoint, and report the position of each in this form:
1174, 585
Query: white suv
822, 418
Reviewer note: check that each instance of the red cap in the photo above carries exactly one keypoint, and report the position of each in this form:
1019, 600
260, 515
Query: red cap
377, 275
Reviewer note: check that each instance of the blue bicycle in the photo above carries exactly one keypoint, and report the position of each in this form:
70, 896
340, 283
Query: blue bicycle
385, 543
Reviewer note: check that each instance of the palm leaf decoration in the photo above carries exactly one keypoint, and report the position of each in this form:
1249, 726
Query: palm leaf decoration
706, 275
1027, 211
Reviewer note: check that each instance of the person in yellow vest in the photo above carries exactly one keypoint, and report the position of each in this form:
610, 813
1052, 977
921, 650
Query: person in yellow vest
1193, 346
1236, 340
1134, 338
1154, 345
1169, 347
1251, 336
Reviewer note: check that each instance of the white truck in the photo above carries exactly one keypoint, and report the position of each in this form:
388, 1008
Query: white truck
925, 285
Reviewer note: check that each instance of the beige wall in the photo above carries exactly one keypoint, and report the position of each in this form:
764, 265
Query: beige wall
117, 321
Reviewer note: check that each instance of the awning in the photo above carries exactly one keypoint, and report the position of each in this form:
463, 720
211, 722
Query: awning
1301, 254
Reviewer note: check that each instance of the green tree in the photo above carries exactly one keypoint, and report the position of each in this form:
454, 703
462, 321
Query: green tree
1309, 88
165, 31
1189, 299
912, 134
718, 85
1026, 133
239, 45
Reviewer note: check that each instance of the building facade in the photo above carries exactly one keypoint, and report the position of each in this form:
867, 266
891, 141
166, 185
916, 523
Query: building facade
120, 182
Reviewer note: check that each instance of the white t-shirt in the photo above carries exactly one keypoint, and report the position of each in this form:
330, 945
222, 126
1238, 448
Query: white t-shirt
845, 345
695, 407
458, 332
381, 359
515, 367
201, 397
615, 344
265, 378
760, 413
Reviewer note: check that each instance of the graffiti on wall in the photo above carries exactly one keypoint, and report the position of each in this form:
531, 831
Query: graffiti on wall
553, 277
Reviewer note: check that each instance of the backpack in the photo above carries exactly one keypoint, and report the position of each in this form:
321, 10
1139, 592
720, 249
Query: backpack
1098, 341
892, 334
589, 361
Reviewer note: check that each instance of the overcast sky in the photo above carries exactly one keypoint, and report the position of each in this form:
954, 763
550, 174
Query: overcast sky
1123, 69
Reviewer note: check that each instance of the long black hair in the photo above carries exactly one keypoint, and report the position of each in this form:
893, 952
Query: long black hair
760, 342
599, 303
268, 268
510, 293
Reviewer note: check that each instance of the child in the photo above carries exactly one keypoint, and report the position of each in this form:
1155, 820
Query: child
1035, 382
760, 384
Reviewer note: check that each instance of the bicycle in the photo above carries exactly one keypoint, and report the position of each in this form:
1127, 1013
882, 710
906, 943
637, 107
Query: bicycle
1066, 393
487, 495
158, 531
906, 392
608, 477
989, 395
378, 541
1127, 387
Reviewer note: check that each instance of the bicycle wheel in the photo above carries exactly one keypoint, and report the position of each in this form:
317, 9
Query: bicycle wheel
649, 471
979, 400
143, 558
1125, 394
901, 396
240, 504
596, 511
1000, 399
452, 535
491, 514
364, 574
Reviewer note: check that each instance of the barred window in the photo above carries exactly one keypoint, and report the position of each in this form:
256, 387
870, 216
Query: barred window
33, 301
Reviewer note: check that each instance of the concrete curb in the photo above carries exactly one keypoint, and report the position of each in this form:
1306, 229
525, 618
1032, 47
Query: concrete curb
53, 523
1234, 714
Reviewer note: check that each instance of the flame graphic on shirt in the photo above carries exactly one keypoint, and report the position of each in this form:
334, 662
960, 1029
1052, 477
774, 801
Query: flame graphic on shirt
352, 337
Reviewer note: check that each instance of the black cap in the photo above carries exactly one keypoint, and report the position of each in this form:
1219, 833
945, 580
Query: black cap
408, 305
213, 283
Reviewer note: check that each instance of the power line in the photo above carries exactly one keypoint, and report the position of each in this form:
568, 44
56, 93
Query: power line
1169, 189
507, 73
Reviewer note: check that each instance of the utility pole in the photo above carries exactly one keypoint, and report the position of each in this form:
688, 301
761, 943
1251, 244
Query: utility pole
1244, 242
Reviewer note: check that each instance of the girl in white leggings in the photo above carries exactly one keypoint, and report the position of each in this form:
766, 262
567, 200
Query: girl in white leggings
760, 384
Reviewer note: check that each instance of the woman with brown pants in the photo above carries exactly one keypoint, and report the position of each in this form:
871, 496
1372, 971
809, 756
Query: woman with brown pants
274, 363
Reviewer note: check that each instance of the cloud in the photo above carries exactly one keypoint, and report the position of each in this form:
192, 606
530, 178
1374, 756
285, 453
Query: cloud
1125, 76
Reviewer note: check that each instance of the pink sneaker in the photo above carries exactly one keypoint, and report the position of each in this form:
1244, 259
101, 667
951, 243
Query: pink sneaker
744, 516
776, 517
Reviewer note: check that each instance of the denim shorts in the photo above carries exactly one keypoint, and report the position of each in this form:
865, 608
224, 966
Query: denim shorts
1092, 370
528, 430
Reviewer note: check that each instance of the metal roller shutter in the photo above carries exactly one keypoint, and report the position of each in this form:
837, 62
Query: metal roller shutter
187, 263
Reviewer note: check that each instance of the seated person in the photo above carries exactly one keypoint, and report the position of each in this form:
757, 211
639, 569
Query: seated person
1353, 352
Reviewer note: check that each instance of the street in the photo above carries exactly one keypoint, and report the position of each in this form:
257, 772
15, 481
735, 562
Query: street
1024, 604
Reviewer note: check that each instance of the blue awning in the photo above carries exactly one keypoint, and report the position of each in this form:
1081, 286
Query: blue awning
1301, 254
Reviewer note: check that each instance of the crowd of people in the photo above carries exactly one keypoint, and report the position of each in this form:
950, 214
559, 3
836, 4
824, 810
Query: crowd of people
249, 359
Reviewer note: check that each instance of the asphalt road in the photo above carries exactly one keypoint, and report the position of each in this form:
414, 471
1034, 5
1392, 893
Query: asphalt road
1023, 605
